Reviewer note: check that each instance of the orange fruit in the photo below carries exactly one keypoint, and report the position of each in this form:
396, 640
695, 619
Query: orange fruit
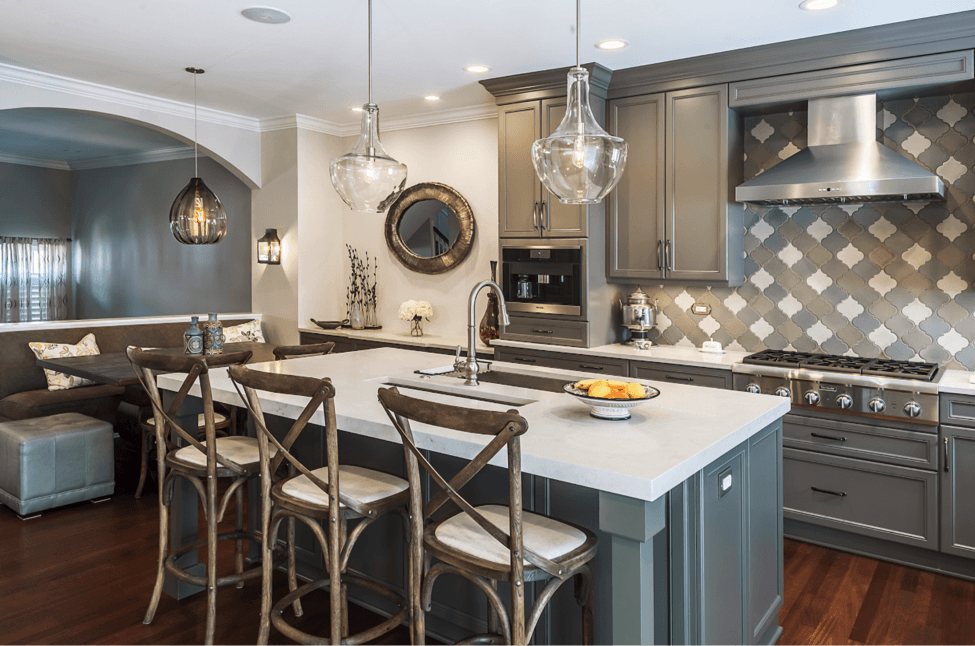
585, 383
600, 390
635, 391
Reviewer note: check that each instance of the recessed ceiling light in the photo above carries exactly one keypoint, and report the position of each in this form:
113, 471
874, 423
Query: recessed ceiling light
613, 43
432, 97
267, 15
357, 108
477, 69
817, 5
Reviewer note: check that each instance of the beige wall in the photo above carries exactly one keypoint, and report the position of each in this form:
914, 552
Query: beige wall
274, 290
461, 155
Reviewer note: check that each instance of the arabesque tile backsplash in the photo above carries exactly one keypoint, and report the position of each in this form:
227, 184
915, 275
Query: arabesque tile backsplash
874, 280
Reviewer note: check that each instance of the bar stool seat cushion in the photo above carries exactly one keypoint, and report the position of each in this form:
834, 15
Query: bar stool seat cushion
218, 419
365, 485
543, 535
242, 450
57, 460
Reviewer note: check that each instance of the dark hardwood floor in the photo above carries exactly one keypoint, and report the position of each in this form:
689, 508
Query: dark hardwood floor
83, 575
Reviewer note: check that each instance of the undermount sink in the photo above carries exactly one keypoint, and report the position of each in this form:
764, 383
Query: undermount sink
504, 378
459, 391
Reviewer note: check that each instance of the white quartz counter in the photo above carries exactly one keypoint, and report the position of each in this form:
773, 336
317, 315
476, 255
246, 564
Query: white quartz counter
667, 440
403, 337
675, 354
956, 382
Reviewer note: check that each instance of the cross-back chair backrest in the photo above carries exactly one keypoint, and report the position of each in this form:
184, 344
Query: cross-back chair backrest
320, 393
505, 429
283, 352
197, 370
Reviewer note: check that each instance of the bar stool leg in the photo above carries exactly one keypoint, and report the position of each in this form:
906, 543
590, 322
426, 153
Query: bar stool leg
493, 624
267, 542
211, 558
163, 553
292, 568
345, 611
144, 468
239, 526
584, 593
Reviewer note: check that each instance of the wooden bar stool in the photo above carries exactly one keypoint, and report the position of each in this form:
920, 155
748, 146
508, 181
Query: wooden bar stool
488, 543
283, 352
202, 463
310, 496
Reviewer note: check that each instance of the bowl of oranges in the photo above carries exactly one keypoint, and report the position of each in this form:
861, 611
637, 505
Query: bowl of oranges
608, 398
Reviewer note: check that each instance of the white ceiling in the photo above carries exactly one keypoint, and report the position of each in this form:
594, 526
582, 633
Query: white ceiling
71, 137
316, 64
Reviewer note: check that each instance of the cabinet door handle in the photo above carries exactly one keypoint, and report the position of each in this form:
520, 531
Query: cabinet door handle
946, 455
539, 331
660, 255
535, 216
676, 378
585, 367
828, 437
526, 360
827, 491
669, 254
546, 215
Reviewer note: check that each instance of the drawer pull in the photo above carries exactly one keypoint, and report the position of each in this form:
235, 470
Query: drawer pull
526, 360
543, 331
592, 367
828, 437
827, 491
946, 455
676, 378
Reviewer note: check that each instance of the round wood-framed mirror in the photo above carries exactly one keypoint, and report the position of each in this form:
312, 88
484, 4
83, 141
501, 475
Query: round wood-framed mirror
430, 228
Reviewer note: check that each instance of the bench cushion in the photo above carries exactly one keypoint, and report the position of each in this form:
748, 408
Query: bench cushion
57, 460
95, 401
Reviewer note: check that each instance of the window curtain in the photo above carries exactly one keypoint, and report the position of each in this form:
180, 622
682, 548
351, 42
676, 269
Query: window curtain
33, 279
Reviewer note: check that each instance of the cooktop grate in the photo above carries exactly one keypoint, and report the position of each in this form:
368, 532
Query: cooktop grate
848, 365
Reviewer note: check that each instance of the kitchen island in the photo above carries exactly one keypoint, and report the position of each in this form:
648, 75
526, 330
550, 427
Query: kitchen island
685, 496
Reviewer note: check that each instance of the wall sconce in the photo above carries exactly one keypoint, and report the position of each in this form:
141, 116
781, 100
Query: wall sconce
269, 248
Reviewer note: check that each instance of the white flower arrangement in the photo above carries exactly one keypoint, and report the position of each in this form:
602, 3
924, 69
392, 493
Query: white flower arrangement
415, 309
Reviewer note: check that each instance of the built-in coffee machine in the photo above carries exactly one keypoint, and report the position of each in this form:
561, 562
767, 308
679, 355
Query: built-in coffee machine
544, 279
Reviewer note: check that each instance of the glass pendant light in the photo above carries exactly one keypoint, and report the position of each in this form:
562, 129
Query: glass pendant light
197, 216
367, 178
579, 163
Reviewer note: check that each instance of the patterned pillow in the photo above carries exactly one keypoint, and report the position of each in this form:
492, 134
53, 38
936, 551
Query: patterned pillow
59, 380
250, 331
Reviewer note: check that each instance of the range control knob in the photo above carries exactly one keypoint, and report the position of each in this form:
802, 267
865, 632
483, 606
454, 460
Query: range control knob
877, 405
811, 398
753, 388
912, 409
782, 391
844, 401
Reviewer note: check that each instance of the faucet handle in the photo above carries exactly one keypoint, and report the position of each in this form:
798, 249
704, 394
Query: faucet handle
457, 363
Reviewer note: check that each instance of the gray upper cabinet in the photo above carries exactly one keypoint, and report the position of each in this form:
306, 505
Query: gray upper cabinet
635, 208
672, 216
559, 220
958, 491
519, 188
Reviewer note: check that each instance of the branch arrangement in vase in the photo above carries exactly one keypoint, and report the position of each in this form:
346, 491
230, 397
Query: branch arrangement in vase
360, 295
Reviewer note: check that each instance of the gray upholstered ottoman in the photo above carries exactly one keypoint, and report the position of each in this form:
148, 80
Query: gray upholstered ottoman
51, 461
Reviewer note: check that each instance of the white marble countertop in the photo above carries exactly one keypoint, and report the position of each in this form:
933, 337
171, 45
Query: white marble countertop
675, 354
667, 440
956, 382
403, 337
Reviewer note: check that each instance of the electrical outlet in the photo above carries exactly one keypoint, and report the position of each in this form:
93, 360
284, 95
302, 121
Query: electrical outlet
701, 309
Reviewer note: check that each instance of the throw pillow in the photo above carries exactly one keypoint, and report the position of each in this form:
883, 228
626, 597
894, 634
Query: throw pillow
59, 380
250, 331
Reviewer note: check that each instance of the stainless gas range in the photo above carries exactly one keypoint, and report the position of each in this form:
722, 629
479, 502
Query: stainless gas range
878, 388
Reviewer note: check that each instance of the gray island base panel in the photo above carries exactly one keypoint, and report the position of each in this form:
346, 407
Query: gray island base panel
686, 497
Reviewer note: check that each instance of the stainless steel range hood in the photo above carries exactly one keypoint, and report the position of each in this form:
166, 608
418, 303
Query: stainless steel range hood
844, 163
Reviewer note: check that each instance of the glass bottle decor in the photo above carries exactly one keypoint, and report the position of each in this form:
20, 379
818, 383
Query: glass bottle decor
357, 317
193, 338
372, 317
490, 327
212, 335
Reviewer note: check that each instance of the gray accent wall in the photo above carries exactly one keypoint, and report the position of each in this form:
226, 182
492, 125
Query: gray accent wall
34, 202
126, 261
876, 280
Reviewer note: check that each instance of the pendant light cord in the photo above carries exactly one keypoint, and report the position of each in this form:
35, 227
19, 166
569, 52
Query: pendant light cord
578, 20
196, 136
370, 51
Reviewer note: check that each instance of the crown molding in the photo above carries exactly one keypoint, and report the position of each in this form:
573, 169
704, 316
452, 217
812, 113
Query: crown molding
408, 122
65, 85
130, 159
23, 160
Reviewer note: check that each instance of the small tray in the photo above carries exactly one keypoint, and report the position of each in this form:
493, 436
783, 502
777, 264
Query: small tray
614, 409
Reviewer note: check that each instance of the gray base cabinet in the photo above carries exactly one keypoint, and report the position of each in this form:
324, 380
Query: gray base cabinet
677, 374
958, 491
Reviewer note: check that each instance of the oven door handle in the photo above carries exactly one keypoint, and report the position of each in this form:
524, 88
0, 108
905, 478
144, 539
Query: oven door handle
841, 494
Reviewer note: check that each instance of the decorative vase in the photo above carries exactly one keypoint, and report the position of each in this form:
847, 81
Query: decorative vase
193, 338
213, 335
416, 326
356, 318
372, 318
490, 328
